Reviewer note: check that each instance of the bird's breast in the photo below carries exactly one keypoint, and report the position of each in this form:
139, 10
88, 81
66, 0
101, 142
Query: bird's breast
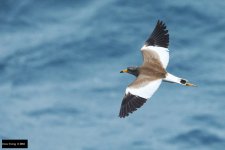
153, 72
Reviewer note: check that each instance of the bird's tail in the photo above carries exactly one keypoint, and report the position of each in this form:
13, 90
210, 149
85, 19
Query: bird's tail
174, 79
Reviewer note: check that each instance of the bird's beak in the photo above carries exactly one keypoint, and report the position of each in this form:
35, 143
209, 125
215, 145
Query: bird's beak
190, 84
123, 71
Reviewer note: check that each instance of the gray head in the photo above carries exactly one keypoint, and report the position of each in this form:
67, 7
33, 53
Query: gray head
131, 70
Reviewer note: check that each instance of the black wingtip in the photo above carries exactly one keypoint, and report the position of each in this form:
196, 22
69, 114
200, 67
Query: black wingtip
130, 104
159, 36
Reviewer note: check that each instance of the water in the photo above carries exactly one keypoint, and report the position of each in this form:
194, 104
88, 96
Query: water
60, 85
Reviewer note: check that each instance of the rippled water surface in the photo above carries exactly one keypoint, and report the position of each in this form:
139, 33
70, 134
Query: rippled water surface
60, 85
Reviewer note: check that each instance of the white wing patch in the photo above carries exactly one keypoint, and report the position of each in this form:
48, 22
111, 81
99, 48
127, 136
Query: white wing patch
161, 51
146, 91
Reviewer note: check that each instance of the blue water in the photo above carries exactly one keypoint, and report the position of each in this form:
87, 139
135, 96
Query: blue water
60, 85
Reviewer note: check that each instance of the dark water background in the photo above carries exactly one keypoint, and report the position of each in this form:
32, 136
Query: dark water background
60, 85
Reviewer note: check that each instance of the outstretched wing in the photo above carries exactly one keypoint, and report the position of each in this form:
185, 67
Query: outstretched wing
158, 42
159, 36
137, 94
156, 56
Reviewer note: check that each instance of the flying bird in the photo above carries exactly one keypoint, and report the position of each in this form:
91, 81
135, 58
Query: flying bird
151, 73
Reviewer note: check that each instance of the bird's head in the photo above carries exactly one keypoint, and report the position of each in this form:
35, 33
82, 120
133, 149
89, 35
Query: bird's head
131, 70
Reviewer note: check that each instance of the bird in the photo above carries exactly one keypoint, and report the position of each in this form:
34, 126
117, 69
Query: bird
151, 73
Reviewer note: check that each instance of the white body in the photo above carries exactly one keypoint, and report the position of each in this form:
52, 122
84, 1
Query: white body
164, 58
148, 90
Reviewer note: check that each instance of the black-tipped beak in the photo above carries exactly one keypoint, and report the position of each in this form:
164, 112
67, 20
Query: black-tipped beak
123, 71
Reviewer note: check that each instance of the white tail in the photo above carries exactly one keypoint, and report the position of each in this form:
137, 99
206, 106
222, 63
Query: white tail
172, 78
